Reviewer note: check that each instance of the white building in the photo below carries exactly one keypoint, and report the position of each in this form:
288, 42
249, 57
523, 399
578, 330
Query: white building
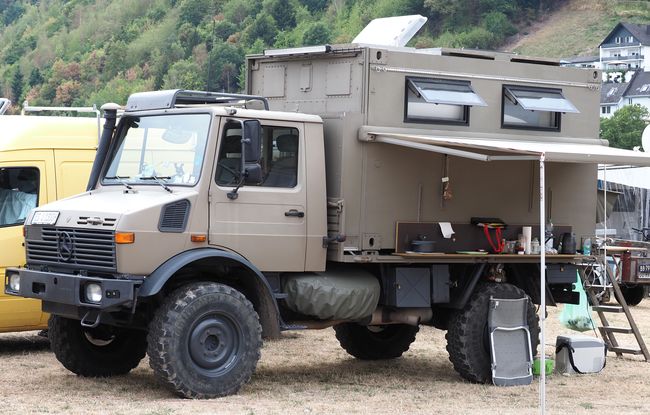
626, 47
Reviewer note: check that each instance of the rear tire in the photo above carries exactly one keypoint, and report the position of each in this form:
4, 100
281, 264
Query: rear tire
468, 339
375, 342
205, 340
100, 352
633, 293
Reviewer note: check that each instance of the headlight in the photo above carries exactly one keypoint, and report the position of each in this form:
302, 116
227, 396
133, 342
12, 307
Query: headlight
14, 282
93, 292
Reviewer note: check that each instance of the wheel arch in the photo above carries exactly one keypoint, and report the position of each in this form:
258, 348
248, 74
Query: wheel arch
211, 264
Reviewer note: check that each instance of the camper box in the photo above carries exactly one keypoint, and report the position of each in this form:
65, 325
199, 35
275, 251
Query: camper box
402, 127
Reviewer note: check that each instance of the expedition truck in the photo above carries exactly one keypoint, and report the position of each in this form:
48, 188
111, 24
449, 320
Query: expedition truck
339, 192
42, 159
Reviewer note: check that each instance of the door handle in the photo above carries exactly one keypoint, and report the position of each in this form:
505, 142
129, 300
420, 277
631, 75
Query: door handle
295, 212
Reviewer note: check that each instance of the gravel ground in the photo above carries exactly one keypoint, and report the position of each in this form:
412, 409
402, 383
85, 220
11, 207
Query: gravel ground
307, 372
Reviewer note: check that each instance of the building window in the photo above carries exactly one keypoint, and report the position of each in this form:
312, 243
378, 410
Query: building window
606, 109
618, 39
18, 194
630, 39
279, 161
534, 108
439, 101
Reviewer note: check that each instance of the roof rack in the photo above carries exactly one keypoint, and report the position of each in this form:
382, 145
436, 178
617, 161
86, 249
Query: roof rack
93, 109
144, 101
4, 105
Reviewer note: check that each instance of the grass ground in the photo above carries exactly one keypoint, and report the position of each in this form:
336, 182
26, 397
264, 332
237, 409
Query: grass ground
308, 373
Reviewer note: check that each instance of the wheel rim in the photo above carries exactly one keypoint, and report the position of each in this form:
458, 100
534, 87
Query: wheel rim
214, 344
98, 342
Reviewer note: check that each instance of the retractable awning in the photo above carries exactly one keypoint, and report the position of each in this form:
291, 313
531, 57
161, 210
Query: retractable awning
493, 150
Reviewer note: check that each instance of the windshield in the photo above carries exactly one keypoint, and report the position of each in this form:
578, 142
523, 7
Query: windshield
155, 149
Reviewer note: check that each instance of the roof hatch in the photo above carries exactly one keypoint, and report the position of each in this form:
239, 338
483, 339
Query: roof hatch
390, 31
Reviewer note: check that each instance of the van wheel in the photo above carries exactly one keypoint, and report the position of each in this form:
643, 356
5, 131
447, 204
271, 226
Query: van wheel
375, 342
99, 352
633, 293
205, 340
468, 341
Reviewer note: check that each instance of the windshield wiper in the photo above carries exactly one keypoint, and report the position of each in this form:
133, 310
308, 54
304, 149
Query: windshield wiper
121, 180
159, 180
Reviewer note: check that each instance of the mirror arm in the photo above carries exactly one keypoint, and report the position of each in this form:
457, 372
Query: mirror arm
232, 195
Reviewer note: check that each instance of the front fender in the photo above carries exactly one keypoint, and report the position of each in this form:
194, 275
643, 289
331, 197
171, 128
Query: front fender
266, 305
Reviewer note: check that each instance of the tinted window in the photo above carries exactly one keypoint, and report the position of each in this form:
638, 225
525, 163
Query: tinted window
279, 161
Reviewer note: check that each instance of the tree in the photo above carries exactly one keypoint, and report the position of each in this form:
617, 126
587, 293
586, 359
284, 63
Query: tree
194, 11
624, 128
185, 74
17, 85
283, 13
317, 34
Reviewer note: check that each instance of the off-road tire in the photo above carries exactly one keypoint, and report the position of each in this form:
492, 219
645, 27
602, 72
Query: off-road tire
205, 340
467, 338
633, 294
376, 342
78, 354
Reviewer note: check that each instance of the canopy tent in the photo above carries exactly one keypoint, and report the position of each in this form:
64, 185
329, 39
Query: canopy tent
489, 149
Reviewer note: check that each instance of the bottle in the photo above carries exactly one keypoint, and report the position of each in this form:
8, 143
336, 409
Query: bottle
586, 246
534, 246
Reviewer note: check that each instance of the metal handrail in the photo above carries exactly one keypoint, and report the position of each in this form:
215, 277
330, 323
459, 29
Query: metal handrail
4, 105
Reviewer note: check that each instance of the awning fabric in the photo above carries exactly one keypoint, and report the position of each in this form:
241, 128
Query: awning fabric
493, 150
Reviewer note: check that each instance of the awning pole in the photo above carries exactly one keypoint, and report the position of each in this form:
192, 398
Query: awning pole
542, 286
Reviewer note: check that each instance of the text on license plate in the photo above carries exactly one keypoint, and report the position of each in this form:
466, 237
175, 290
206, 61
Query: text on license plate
644, 271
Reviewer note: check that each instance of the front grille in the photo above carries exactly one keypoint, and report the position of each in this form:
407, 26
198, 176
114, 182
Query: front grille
86, 248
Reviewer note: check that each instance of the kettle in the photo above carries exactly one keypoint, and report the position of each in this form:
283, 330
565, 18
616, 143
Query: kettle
568, 243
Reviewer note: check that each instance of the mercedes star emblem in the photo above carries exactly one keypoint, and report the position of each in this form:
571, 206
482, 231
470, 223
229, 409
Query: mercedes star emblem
65, 246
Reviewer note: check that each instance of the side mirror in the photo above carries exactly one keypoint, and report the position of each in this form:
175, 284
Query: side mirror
253, 173
252, 135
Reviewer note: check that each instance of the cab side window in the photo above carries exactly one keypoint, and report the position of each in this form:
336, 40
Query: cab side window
18, 194
279, 159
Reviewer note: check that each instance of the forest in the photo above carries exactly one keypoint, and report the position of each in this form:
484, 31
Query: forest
84, 52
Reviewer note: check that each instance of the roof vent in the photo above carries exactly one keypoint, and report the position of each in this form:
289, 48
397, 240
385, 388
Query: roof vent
174, 216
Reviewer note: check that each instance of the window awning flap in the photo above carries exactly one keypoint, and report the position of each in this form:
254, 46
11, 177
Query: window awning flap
494, 150
446, 92
546, 100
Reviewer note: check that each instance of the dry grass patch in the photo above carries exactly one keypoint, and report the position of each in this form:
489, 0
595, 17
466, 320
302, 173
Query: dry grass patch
308, 373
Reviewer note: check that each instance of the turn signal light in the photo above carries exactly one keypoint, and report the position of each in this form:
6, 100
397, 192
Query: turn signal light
198, 238
124, 237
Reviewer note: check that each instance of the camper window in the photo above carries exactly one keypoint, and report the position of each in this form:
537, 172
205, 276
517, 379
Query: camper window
439, 100
18, 194
534, 108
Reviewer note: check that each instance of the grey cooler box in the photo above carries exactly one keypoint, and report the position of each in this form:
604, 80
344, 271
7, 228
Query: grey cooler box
579, 354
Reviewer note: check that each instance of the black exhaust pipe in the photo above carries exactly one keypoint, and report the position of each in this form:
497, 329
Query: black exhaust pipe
110, 116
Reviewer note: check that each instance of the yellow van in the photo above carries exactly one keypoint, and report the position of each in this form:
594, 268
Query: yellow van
42, 159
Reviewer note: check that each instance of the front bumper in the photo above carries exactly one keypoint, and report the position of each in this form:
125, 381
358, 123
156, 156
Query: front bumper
69, 290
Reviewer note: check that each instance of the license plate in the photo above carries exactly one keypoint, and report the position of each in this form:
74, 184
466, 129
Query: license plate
644, 271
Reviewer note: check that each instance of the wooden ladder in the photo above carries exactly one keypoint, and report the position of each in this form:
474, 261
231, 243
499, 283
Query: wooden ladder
606, 330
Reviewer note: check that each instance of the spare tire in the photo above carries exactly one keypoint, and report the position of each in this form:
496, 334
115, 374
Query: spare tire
468, 338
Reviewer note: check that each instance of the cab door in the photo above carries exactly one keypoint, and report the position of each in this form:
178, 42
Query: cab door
266, 222
23, 186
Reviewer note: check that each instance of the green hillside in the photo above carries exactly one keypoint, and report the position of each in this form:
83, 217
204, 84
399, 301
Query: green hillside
577, 27
83, 52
